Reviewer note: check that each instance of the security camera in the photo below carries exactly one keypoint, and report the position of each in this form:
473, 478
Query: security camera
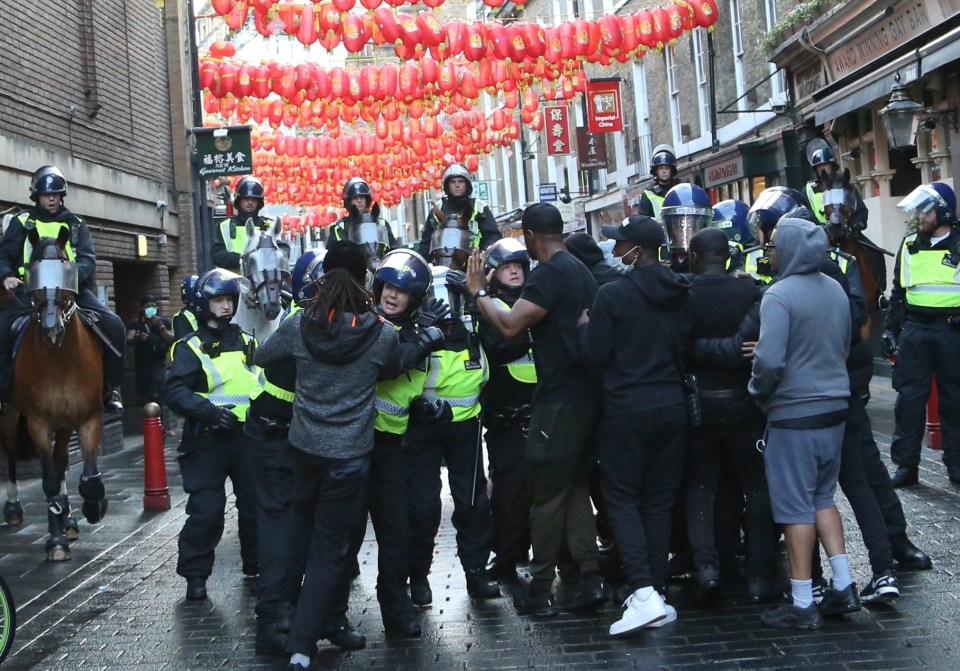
161, 204
779, 108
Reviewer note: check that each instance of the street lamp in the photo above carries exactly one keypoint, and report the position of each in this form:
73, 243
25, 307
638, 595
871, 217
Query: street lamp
899, 116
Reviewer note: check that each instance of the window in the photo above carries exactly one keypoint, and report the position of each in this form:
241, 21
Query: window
88, 60
642, 104
778, 82
738, 65
670, 54
703, 83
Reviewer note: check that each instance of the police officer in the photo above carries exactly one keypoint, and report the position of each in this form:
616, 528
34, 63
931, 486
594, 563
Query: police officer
185, 319
923, 330
210, 384
685, 211
730, 216
358, 200
48, 189
267, 426
399, 287
457, 189
507, 401
825, 167
231, 240
772, 203
663, 167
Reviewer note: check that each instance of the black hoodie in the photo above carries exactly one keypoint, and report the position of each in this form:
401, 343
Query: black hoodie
638, 327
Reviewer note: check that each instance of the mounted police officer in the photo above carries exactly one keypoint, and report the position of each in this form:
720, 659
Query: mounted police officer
210, 384
185, 319
772, 203
923, 329
358, 201
48, 189
458, 190
231, 240
663, 167
825, 167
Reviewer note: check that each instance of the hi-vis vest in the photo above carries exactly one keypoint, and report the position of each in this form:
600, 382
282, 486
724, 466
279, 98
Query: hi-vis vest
230, 381
269, 387
339, 230
45, 229
815, 198
928, 278
478, 207
392, 399
522, 369
236, 240
191, 318
449, 380
842, 259
656, 201
750, 258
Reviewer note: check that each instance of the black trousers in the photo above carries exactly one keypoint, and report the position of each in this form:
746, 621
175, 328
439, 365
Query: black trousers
456, 444
206, 461
641, 461
273, 471
327, 500
509, 493
926, 350
387, 504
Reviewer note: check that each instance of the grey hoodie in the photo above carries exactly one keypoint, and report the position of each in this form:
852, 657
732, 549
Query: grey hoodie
799, 366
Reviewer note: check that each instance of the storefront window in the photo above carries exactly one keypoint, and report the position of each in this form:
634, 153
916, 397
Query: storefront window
758, 185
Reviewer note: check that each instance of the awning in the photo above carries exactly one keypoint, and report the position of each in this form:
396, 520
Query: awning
601, 202
868, 88
939, 52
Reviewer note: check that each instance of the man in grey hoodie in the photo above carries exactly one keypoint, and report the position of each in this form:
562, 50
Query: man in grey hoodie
800, 380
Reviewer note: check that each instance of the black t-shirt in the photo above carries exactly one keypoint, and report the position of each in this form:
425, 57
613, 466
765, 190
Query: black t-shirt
150, 354
564, 288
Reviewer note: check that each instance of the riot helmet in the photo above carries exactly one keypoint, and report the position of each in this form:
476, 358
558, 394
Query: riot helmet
663, 154
730, 216
685, 212
772, 203
248, 187
404, 269
929, 196
507, 250
306, 271
213, 284
188, 288
47, 179
356, 187
457, 170
823, 156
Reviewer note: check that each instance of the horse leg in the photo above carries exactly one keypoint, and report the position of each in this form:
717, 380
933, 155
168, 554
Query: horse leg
58, 506
61, 448
91, 483
12, 509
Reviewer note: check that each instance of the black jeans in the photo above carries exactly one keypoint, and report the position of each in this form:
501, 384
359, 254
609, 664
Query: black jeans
926, 350
206, 461
509, 492
327, 500
641, 460
456, 444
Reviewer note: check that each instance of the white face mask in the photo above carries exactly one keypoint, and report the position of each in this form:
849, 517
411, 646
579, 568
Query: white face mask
618, 261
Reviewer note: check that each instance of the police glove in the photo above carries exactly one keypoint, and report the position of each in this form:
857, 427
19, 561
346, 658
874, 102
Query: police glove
424, 410
224, 420
432, 312
456, 281
889, 345
429, 340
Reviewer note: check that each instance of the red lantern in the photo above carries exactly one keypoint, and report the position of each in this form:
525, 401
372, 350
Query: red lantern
674, 21
343, 5
409, 30
705, 13
475, 42
356, 32
328, 18
389, 76
534, 39
223, 49
429, 71
307, 33
223, 7
237, 16
554, 49
431, 30
208, 74
610, 32
389, 27
371, 4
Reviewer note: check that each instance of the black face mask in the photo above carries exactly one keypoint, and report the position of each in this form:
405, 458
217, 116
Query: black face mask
824, 175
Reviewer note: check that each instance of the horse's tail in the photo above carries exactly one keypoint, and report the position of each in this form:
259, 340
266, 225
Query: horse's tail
16, 441
25, 447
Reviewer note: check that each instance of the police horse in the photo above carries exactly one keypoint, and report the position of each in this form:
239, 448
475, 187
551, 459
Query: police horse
58, 389
264, 265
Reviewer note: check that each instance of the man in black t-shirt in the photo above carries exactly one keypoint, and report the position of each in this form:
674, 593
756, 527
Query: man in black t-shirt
559, 456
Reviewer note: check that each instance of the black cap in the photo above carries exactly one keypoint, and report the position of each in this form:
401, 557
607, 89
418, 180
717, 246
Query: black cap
349, 256
639, 229
542, 218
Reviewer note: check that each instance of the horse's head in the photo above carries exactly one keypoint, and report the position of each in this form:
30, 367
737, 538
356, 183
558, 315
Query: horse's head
264, 264
450, 243
52, 283
369, 234
839, 202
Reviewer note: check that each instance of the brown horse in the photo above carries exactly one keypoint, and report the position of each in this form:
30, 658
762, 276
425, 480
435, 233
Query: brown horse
450, 243
58, 388
839, 203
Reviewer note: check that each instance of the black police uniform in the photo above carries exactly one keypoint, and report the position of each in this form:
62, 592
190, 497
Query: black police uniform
11, 261
208, 457
487, 231
652, 199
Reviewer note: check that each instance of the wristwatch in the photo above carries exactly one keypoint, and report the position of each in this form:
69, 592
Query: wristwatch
480, 294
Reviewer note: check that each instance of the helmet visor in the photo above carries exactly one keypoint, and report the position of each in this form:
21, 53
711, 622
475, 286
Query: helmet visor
450, 247
372, 237
683, 223
921, 200
53, 274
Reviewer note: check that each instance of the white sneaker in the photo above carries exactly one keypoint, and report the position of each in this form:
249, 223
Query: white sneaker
671, 617
640, 613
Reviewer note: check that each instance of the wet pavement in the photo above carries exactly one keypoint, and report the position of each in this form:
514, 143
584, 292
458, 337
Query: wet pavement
118, 604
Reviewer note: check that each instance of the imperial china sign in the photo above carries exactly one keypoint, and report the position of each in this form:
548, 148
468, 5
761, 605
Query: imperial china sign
604, 106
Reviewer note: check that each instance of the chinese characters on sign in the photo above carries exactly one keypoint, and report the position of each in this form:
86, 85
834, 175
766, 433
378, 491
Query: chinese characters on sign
558, 129
605, 111
223, 151
591, 150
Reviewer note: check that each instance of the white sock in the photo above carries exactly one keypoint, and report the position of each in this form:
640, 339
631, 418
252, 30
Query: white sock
644, 593
802, 591
302, 660
841, 571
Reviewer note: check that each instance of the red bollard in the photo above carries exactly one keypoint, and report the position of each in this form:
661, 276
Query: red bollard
156, 494
932, 438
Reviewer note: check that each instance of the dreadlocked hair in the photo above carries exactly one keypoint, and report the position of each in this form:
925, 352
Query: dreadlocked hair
337, 293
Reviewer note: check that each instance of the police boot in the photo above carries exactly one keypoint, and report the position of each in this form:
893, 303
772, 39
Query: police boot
479, 584
270, 641
112, 401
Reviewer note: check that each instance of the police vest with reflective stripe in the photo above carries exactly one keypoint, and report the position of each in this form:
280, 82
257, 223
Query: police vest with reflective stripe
269, 387
842, 259
750, 258
522, 369
926, 279
815, 199
45, 229
392, 399
450, 380
236, 240
230, 381
340, 229
655, 201
191, 318
478, 207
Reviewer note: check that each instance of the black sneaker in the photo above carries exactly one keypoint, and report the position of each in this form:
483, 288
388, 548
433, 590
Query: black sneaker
905, 476
909, 557
708, 585
528, 601
587, 593
883, 588
840, 601
420, 592
792, 617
